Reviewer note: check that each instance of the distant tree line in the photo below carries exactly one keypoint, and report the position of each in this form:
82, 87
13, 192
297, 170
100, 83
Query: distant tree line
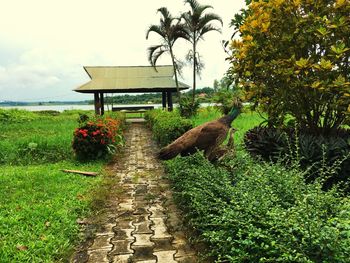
153, 98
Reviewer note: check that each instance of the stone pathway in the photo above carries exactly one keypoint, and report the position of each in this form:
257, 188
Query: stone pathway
141, 222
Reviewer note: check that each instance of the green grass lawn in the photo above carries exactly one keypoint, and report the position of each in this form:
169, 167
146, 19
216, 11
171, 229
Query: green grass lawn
39, 204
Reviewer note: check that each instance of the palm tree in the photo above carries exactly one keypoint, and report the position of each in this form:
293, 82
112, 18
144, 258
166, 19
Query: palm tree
170, 29
197, 24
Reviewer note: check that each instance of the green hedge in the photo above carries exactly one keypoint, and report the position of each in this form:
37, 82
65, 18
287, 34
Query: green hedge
260, 212
167, 126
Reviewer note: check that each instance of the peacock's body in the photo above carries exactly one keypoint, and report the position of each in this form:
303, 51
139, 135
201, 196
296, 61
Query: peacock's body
206, 137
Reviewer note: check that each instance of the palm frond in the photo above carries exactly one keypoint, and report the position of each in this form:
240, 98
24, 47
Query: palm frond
180, 31
207, 29
156, 29
166, 19
207, 18
164, 12
193, 4
154, 52
156, 56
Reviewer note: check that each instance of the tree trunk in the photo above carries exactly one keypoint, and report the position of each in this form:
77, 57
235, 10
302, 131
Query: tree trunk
194, 69
175, 74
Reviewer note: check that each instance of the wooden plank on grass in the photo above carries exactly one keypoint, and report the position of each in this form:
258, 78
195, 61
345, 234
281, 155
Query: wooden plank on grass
80, 172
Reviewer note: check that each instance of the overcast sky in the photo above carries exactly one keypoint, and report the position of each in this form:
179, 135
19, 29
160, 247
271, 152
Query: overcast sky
44, 44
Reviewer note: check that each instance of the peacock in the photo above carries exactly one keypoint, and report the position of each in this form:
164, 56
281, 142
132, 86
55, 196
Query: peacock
207, 137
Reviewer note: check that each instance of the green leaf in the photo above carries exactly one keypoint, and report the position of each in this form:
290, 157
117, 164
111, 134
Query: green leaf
326, 64
302, 63
339, 48
323, 31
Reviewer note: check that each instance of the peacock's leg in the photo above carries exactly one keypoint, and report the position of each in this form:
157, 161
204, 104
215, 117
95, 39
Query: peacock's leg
230, 142
217, 154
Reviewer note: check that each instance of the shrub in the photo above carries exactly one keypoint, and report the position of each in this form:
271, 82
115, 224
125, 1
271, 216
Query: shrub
16, 116
311, 151
96, 138
188, 108
260, 212
293, 59
48, 112
167, 126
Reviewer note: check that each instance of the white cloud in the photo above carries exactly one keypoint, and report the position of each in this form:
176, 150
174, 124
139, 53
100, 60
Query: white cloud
45, 43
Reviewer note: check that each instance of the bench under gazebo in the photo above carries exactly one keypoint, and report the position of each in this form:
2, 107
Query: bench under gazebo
130, 79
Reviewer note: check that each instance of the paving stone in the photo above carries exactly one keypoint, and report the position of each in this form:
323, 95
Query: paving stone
160, 229
165, 256
179, 238
187, 259
124, 224
162, 244
143, 253
143, 228
126, 206
184, 250
121, 247
99, 256
121, 258
106, 229
123, 234
141, 211
142, 240
102, 242
141, 218
158, 214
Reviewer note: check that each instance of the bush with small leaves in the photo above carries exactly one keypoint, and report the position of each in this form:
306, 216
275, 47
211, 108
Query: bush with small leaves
97, 138
167, 126
260, 212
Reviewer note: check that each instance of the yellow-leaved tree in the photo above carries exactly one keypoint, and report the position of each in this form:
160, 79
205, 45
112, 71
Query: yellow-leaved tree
293, 59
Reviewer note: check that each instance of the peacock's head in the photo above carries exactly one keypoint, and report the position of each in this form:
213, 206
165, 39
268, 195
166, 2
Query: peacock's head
237, 103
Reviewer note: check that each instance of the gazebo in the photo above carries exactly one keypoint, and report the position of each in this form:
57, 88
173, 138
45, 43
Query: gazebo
130, 79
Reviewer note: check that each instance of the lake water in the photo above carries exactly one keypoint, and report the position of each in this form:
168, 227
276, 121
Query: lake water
66, 107
80, 107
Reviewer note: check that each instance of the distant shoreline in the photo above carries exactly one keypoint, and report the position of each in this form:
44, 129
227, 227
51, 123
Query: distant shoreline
64, 107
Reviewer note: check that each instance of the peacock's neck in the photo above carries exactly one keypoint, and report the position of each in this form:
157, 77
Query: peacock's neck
228, 119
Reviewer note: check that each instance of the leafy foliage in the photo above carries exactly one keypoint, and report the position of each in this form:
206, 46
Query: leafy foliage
95, 139
167, 126
293, 58
260, 212
310, 151
16, 116
188, 108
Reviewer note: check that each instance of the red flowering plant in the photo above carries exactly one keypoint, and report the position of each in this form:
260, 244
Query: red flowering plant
97, 138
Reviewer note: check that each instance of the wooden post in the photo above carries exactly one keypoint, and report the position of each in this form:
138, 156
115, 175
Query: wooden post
102, 104
170, 101
164, 99
97, 103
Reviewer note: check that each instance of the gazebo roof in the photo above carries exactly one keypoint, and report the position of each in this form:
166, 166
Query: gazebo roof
126, 79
